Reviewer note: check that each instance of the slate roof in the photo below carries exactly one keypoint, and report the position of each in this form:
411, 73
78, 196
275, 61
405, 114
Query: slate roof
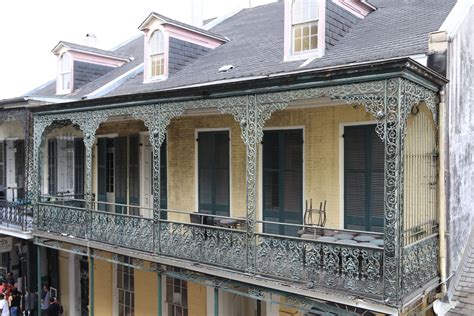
255, 45
93, 50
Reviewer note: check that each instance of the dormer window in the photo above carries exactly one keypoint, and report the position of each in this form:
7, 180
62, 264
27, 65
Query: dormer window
157, 54
304, 25
65, 73
304, 29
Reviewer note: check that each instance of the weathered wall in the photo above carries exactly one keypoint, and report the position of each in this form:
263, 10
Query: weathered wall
460, 108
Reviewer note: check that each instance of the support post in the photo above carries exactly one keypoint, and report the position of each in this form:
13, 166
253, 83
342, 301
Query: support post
88, 144
160, 295
38, 276
91, 286
216, 301
156, 140
252, 131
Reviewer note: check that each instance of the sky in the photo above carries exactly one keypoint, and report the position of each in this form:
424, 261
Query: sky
29, 30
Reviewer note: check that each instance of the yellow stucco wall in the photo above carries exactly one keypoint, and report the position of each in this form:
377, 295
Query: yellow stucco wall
103, 272
197, 299
322, 141
146, 293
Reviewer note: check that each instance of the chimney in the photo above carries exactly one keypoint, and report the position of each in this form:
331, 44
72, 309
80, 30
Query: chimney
91, 40
196, 13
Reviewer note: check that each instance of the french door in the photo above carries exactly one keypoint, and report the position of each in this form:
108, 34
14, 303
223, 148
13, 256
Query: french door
282, 179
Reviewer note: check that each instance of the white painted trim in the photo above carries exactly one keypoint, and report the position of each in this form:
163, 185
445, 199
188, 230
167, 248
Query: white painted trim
341, 165
74, 285
260, 168
196, 164
456, 17
221, 19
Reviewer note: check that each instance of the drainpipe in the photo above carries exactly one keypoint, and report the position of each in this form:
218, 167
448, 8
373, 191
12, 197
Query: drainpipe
437, 59
442, 194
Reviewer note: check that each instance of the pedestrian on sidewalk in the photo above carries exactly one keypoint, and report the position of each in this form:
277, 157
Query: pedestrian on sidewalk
31, 301
5, 310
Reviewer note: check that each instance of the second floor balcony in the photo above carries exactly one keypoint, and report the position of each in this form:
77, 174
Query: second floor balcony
227, 184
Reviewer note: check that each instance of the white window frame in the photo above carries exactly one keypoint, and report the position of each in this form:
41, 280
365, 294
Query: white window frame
64, 69
290, 54
159, 52
116, 288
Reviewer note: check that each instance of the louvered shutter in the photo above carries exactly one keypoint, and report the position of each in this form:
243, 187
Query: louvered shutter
282, 180
213, 173
363, 178
101, 172
120, 173
134, 172
52, 166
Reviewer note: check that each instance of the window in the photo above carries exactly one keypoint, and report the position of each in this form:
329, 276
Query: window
177, 296
304, 25
125, 287
157, 56
65, 72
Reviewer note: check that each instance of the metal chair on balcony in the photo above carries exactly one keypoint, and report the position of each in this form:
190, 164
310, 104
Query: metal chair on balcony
308, 220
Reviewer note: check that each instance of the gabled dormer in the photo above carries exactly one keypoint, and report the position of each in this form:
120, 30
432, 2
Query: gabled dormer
79, 65
312, 25
170, 45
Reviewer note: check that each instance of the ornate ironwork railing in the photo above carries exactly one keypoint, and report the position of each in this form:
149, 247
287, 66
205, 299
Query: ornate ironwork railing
127, 231
219, 246
16, 215
62, 219
419, 263
353, 268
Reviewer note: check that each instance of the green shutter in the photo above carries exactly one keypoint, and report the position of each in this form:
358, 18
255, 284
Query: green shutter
282, 179
134, 174
163, 179
363, 178
101, 172
120, 173
213, 173
52, 166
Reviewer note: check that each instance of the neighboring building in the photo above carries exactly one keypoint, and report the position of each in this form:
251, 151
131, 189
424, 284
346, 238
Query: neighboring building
289, 159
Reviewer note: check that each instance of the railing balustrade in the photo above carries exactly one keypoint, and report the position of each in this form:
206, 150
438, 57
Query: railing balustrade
16, 215
351, 266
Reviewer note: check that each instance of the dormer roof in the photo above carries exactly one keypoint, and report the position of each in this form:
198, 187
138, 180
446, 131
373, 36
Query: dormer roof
165, 20
89, 50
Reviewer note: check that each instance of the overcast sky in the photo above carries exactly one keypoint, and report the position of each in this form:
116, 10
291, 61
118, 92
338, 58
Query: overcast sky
29, 30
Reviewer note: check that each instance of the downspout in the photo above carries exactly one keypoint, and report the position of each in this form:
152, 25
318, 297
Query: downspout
438, 49
442, 192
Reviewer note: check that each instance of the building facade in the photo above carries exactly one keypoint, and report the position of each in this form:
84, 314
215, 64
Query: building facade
216, 170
